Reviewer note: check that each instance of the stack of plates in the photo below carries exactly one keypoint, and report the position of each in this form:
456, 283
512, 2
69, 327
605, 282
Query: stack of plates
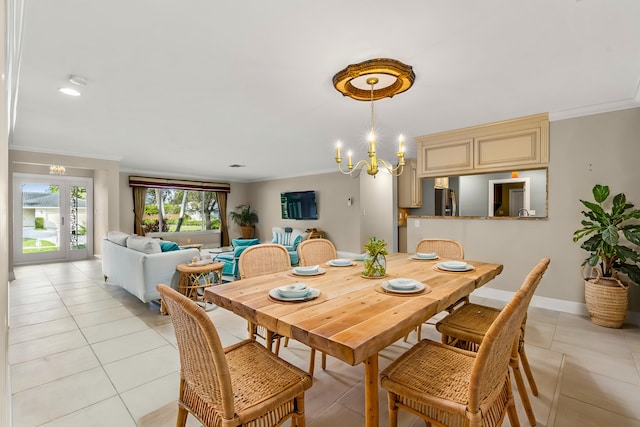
340, 262
311, 270
425, 256
454, 266
401, 285
294, 292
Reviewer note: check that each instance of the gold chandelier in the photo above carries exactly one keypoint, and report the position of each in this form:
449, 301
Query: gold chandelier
393, 77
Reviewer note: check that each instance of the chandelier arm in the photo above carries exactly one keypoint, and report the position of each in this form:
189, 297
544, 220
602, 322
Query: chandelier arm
391, 169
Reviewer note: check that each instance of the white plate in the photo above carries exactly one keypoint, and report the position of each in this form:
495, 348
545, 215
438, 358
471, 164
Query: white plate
417, 258
387, 287
313, 293
294, 290
431, 255
341, 262
299, 272
442, 266
402, 284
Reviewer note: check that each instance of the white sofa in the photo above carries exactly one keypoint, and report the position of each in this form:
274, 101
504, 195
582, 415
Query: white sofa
207, 238
138, 264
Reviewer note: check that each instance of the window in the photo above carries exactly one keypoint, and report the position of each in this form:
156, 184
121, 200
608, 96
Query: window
180, 210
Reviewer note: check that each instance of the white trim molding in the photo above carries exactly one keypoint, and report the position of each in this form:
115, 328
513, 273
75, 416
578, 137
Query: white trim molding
548, 303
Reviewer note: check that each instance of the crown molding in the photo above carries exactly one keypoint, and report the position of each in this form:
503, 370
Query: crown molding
588, 110
65, 153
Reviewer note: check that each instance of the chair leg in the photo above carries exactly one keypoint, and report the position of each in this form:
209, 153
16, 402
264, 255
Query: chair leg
393, 410
419, 330
182, 417
286, 341
298, 419
277, 350
522, 391
324, 360
527, 371
512, 413
312, 361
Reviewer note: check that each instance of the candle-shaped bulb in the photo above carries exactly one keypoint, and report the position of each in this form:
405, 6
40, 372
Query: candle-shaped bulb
338, 145
350, 164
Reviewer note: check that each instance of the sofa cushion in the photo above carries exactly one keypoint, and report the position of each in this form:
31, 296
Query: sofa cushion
166, 246
244, 242
118, 237
146, 245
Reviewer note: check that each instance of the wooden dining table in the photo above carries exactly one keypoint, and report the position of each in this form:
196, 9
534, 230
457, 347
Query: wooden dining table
353, 318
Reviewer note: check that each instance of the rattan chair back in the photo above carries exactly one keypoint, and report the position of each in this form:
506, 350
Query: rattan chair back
203, 366
445, 248
492, 361
263, 259
233, 386
316, 251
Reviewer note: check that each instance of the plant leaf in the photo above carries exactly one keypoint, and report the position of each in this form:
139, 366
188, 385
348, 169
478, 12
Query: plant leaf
600, 193
632, 271
610, 235
595, 208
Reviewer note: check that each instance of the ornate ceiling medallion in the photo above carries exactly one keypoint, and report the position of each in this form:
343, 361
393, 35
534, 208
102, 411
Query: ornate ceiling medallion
394, 77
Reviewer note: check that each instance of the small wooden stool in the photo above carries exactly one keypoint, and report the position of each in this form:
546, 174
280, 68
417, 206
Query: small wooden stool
196, 277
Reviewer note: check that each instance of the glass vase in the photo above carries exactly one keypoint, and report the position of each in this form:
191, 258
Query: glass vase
375, 265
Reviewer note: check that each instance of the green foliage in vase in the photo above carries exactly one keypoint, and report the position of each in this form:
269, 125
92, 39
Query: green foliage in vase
375, 262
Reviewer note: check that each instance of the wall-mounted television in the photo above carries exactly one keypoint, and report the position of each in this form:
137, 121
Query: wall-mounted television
298, 205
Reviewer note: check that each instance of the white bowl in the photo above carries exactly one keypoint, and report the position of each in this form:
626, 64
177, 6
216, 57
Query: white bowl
402, 284
422, 255
341, 261
295, 290
454, 265
307, 269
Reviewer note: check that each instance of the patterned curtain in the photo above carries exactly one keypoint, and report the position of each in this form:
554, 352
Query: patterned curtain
139, 199
222, 207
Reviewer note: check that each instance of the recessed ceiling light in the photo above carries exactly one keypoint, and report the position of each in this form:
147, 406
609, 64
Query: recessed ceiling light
69, 91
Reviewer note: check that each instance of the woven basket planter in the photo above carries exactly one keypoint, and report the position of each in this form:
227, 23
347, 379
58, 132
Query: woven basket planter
607, 300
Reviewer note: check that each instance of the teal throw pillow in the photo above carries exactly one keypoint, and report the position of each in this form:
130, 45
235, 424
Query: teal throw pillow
168, 246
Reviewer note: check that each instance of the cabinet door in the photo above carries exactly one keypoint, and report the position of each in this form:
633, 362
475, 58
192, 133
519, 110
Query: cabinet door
515, 149
409, 186
449, 158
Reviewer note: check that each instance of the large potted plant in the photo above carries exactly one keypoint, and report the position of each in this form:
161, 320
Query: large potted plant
613, 237
246, 218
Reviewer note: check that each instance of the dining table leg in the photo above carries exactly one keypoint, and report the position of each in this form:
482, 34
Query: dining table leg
371, 390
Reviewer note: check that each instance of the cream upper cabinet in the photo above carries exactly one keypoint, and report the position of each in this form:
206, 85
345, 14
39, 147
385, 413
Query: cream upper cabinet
521, 143
410, 186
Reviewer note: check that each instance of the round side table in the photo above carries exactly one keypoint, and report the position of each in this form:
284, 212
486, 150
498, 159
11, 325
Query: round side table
194, 278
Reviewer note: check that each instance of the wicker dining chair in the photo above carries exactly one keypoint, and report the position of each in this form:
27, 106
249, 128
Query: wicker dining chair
315, 252
444, 248
449, 386
466, 328
240, 385
255, 261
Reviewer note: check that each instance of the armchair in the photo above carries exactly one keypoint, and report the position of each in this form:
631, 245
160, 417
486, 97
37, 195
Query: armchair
290, 238
230, 259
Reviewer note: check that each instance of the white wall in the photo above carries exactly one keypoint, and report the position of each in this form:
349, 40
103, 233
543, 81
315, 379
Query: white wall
340, 222
597, 149
378, 210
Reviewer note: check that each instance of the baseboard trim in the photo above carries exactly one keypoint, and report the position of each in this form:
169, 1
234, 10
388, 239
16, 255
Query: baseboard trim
548, 303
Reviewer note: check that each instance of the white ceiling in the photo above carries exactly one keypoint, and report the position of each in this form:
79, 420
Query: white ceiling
187, 88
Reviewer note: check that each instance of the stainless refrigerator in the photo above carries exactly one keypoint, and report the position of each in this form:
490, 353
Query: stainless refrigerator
445, 203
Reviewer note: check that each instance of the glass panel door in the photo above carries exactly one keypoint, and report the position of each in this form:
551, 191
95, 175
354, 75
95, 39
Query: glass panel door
52, 218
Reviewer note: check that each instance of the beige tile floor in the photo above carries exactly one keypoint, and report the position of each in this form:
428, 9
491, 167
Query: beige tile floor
83, 353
